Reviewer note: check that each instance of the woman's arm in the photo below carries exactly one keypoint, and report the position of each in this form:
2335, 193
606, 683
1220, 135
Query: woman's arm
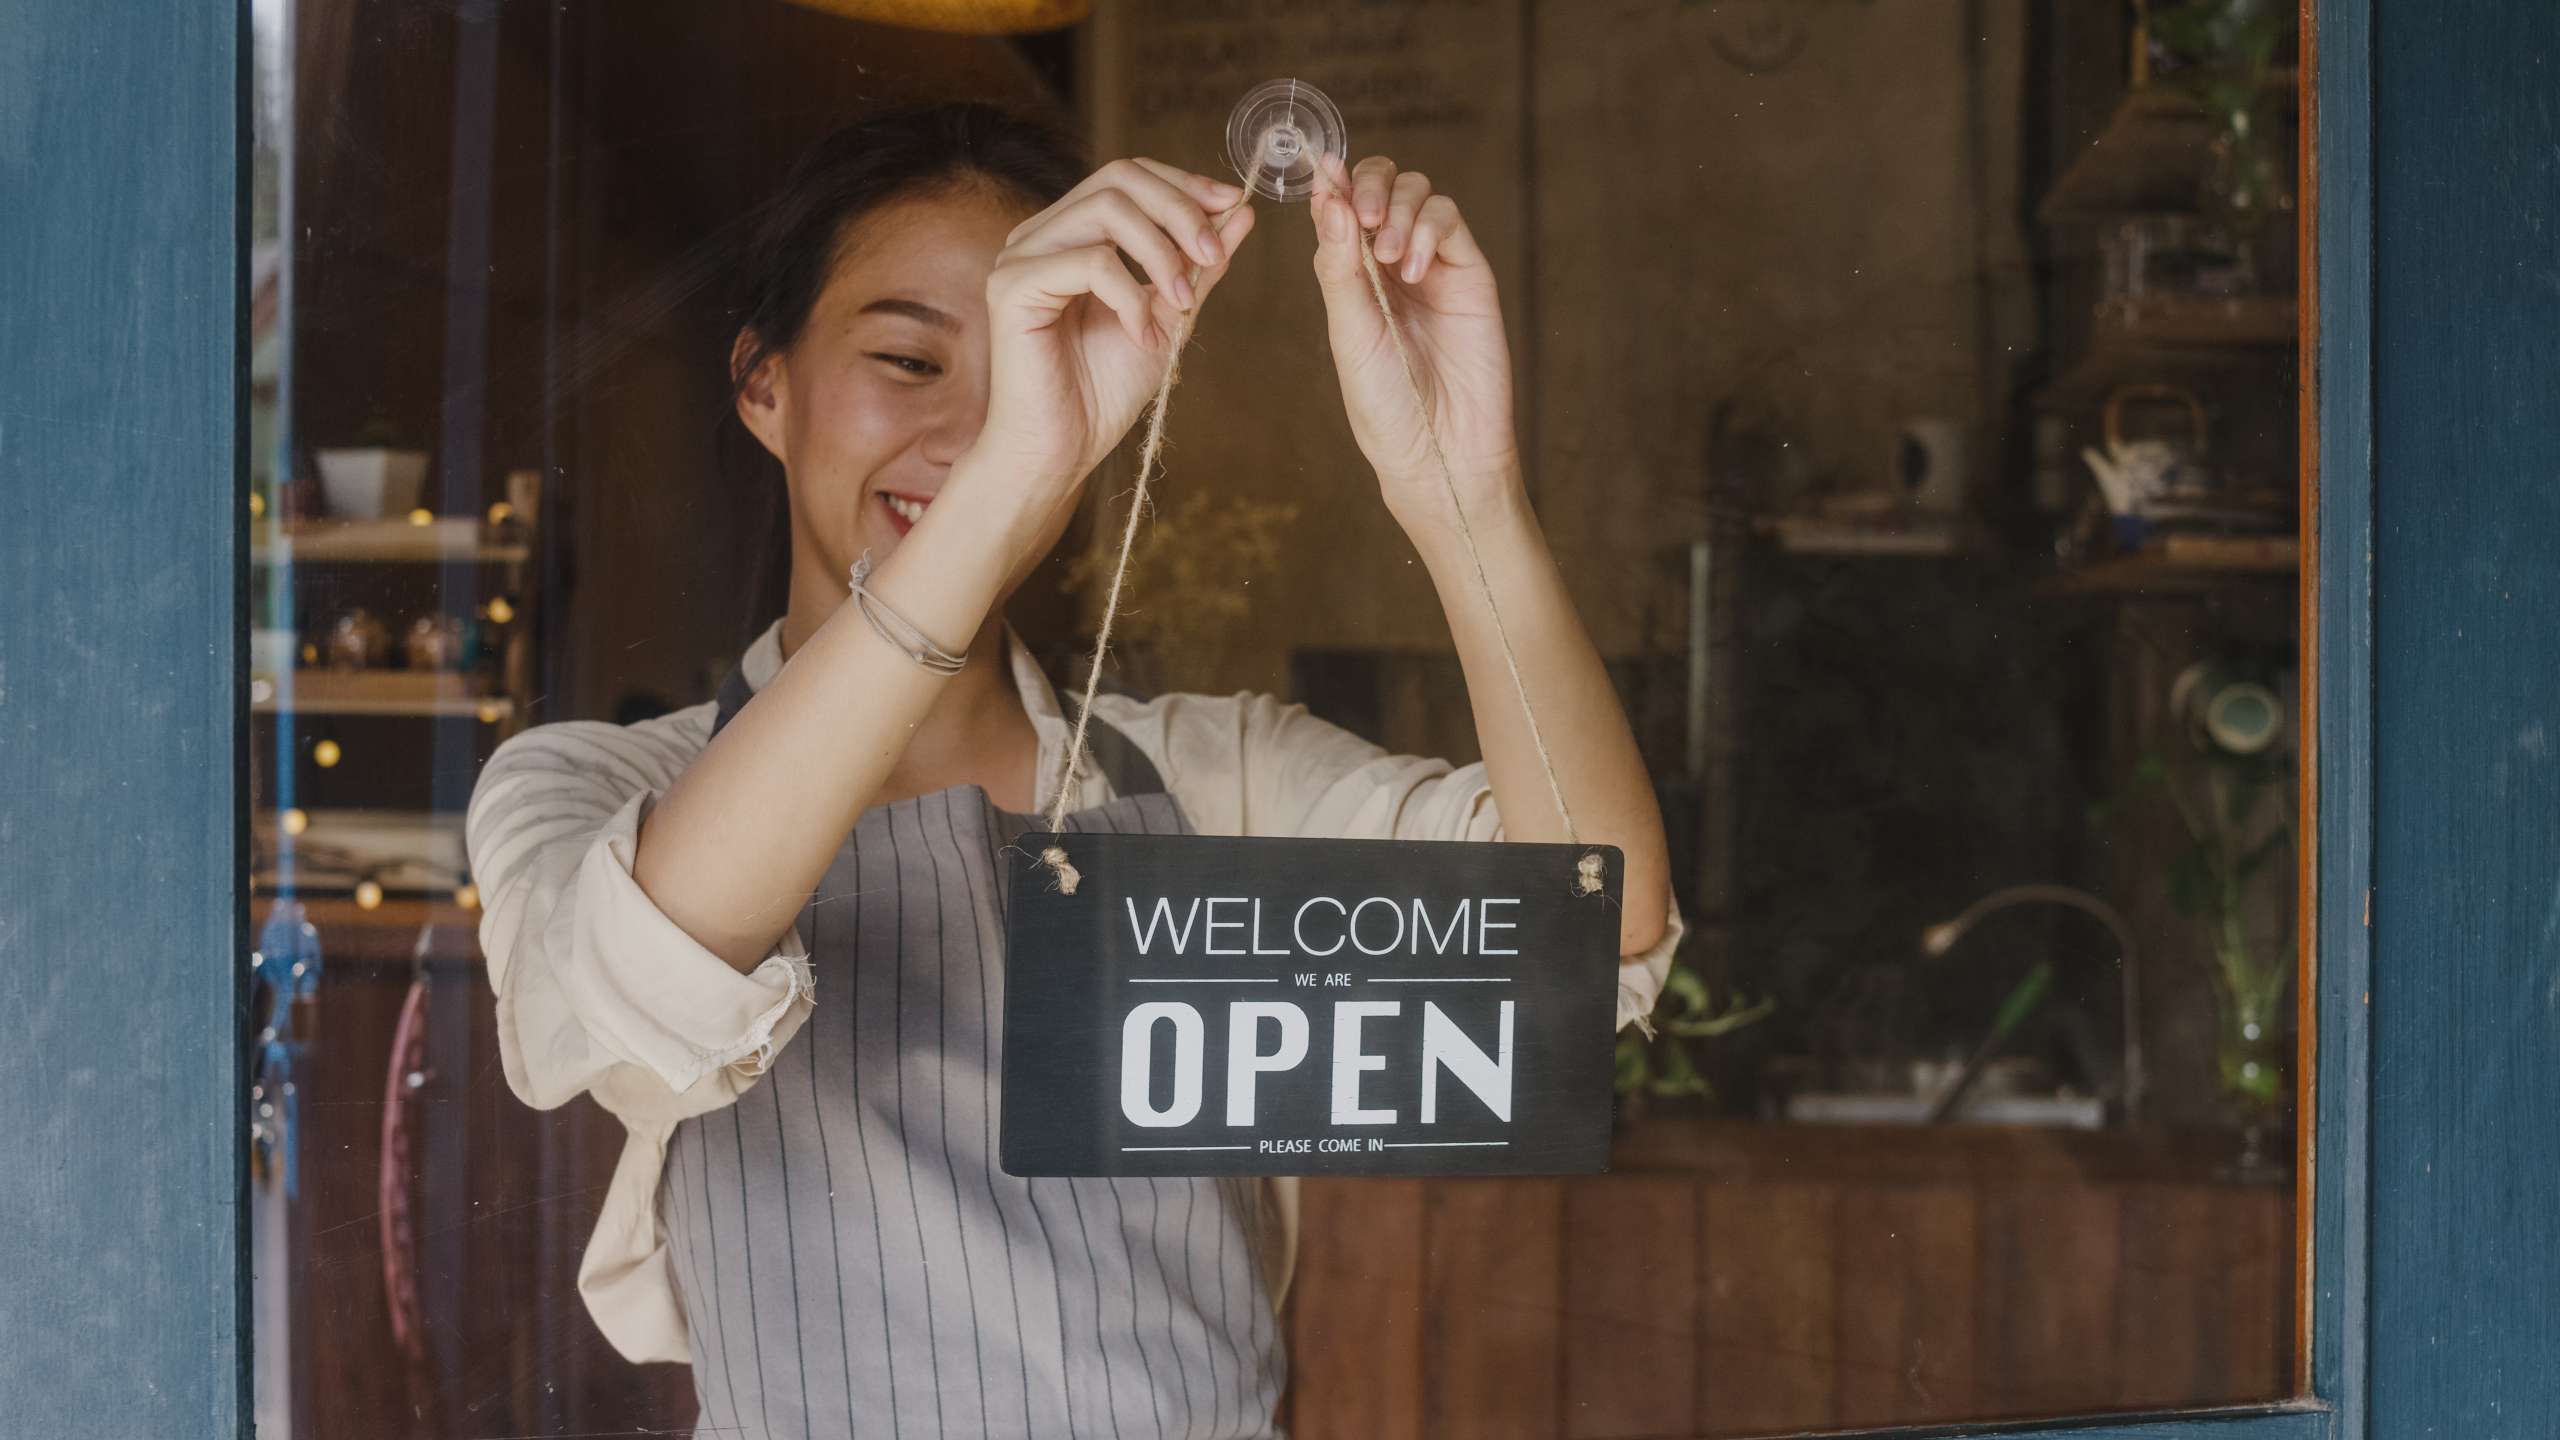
1444, 295
745, 834
1076, 344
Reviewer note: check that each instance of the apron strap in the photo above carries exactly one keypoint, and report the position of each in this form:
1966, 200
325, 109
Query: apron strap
1126, 766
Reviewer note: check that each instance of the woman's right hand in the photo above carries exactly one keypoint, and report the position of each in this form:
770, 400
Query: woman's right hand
1077, 344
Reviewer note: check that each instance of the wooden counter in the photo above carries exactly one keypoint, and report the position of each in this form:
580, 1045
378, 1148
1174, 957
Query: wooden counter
1739, 1279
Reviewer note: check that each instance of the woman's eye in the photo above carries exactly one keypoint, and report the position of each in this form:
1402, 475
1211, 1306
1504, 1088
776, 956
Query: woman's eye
908, 364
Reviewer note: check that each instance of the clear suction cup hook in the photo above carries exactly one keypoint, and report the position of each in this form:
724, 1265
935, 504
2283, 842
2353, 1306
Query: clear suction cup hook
1278, 132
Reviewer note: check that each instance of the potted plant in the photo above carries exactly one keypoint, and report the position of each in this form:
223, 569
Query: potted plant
2231, 786
1654, 1061
374, 479
2222, 53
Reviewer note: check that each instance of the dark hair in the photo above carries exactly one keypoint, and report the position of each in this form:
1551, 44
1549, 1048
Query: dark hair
842, 179
795, 238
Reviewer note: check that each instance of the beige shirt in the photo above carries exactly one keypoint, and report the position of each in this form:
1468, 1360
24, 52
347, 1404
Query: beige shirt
599, 993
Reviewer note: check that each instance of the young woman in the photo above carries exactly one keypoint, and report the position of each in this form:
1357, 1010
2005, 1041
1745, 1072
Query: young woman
767, 932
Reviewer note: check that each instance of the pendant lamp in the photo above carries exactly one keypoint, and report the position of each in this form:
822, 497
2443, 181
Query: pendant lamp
960, 17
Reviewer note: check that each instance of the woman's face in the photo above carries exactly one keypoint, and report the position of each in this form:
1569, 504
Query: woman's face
887, 384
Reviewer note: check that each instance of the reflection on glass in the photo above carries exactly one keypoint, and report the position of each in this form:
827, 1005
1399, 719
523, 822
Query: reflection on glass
1907, 395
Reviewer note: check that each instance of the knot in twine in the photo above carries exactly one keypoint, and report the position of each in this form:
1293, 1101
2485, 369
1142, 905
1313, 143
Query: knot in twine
1055, 857
1586, 874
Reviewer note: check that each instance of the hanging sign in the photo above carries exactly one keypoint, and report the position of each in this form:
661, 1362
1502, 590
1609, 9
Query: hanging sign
1232, 1006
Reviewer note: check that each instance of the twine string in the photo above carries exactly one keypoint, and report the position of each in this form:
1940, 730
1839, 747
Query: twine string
1055, 856
1588, 870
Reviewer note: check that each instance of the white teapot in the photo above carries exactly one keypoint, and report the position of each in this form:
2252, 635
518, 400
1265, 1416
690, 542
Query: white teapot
2134, 473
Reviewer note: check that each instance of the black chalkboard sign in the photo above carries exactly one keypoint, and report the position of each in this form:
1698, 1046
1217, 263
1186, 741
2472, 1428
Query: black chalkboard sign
1226, 1006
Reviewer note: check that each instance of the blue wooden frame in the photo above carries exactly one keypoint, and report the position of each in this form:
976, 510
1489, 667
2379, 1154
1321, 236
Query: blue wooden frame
123, 153
123, 914
2338, 63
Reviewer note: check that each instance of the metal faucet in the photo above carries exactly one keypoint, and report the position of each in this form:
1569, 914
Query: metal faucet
1940, 938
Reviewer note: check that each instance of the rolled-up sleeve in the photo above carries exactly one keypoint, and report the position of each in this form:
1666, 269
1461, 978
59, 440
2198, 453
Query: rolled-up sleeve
1297, 775
589, 973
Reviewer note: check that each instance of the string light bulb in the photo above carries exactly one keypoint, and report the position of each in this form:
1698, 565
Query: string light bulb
257, 504
422, 516
294, 821
467, 895
490, 711
501, 513
326, 754
501, 610
368, 894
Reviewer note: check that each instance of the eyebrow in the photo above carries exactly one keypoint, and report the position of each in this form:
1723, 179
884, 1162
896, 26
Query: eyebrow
915, 310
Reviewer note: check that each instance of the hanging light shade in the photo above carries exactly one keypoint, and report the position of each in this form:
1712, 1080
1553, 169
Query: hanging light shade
960, 17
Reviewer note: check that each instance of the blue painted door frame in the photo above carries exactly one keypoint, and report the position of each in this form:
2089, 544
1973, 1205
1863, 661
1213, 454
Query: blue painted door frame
122, 905
2436, 412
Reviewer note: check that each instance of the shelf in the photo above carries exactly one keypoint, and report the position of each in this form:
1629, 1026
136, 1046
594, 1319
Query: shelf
2182, 320
385, 692
2197, 339
387, 542
403, 851
2152, 157
2184, 565
489, 710
1880, 535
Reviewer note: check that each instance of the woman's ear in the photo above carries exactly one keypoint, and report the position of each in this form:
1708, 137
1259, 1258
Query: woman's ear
758, 375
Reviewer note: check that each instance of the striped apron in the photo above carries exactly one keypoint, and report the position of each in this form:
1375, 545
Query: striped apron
852, 1260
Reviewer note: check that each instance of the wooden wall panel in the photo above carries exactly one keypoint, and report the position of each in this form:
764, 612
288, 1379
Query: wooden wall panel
1768, 1310
1355, 1310
2046, 1313
1906, 1304
2258, 1292
1748, 1298
2169, 1330
1630, 1306
1493, 1320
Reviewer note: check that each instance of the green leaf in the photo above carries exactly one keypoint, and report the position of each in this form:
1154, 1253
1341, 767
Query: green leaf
1683, 984
1679, 1073
1706, 1027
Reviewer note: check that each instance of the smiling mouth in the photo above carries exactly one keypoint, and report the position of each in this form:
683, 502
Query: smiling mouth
906, 509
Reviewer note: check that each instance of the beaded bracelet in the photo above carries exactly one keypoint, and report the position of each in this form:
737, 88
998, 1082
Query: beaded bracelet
897, 629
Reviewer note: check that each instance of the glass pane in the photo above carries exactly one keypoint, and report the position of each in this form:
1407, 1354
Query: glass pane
1877, 423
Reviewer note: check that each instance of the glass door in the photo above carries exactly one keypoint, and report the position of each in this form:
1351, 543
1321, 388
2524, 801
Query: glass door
1908, 400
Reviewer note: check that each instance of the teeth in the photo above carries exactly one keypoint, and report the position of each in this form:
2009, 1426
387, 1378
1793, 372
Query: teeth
908, 510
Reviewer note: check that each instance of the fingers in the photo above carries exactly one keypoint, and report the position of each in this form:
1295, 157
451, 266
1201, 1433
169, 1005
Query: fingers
1116, 217
1440, 234
1335, 209
1040, 287
1176, 203
1371, 181
1414, 227
1217, 196
1231, 233
1404, 198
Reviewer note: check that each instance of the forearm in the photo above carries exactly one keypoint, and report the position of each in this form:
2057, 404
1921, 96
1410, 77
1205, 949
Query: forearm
1586, 731
746, 833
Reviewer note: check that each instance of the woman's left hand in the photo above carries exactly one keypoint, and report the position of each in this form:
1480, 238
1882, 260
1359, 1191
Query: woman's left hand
1443, 293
